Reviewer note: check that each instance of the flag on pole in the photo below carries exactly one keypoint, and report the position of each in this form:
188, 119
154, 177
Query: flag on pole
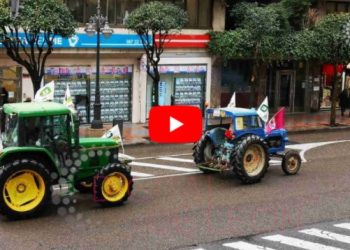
68, 99
276, 122
115, 134
232, 103
263, 110
45, 93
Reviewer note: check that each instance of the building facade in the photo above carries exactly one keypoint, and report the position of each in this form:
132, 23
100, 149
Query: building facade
297, 85
186, 67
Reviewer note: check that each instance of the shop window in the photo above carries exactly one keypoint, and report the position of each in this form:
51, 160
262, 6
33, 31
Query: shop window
115, 90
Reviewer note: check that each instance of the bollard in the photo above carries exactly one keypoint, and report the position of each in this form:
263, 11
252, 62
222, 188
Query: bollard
120, 125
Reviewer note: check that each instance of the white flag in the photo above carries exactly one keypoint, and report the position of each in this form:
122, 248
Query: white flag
114, 133
232, 103
45, 93
68, 100
263, 110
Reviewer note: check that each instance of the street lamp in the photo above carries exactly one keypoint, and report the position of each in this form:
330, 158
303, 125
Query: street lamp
98, 24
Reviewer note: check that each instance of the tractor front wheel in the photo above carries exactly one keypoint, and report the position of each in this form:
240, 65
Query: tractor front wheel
291, 162
114, 184
25, 188
250, 159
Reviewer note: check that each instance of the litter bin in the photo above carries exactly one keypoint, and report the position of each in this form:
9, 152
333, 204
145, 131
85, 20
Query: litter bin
120, 125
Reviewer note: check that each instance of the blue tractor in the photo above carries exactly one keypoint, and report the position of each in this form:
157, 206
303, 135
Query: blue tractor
235, 140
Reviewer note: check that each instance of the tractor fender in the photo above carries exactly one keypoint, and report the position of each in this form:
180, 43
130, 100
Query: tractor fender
40, 154
216, 135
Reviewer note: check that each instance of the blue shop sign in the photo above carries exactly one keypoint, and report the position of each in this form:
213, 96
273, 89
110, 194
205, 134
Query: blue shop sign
115, 41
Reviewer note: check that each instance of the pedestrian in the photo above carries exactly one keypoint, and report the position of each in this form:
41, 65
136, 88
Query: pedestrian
344, 101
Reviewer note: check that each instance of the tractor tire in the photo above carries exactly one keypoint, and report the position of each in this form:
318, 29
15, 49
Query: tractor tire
250, 159
114, 184
203, 152
291, 162
25, 188
84, 186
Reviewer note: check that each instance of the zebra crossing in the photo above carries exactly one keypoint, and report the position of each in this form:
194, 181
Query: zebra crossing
168, 166
326, 236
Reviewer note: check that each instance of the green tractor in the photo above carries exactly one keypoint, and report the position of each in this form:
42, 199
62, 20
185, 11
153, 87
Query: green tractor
42, 154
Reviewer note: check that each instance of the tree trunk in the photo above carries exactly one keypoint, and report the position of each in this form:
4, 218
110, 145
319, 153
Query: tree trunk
36, 80
334, 97
155, 87
253, 83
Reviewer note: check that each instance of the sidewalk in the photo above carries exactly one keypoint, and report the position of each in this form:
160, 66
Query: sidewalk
295, 123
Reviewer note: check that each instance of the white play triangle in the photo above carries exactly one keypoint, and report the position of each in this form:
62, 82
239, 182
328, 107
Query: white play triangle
174, 124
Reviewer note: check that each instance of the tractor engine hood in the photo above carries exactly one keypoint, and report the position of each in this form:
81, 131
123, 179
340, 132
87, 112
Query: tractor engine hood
92, 142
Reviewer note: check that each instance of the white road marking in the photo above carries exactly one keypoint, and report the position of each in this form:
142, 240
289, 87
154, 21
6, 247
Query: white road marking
295, 242
175, 159
307, 146
151, 165
326, 235
241, 245
139, 174
275, 162
154, 157
343, 225
167, 176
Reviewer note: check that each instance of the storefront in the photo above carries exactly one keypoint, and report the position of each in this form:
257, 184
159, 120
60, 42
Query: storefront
327, 81
115, 90
180, 85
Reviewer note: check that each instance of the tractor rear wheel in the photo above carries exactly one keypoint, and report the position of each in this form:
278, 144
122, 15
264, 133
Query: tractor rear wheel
203, 152
250, 159
291, 162
25, 188
114, 184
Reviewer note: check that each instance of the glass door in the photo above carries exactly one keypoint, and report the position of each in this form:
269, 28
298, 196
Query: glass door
285, 89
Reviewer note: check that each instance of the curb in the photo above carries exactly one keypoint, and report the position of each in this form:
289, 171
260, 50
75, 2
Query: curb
319, 129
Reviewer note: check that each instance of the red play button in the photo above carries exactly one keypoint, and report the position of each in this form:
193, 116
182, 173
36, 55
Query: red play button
175, 124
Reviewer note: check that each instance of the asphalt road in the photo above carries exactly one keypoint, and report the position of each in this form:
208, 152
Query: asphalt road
174, 207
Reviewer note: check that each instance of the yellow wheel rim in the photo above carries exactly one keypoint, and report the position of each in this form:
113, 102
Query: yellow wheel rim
114, 187
24, 190
292, 164
254, 160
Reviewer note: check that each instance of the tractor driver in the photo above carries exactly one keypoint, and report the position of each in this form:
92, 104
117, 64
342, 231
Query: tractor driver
32, 126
